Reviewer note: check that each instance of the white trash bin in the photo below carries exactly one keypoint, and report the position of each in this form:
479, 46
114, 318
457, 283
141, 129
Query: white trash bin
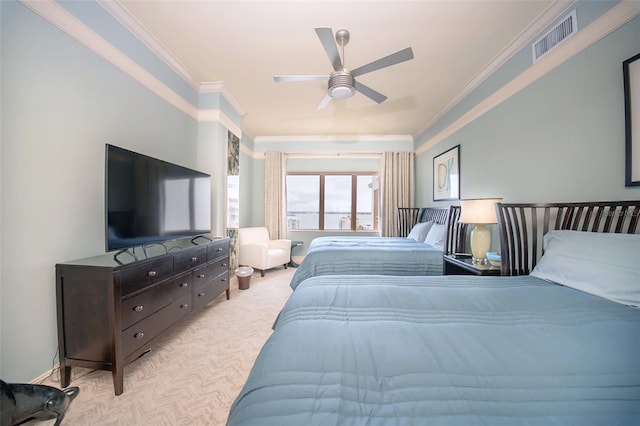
244, 277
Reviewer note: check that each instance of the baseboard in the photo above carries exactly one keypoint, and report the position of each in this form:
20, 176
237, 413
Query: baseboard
44, 376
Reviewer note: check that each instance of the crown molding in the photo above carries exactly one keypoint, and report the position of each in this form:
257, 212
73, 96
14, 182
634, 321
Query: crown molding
546, 18
217, 116
247, 151
617, 16
219, 87
335, 138
135, 27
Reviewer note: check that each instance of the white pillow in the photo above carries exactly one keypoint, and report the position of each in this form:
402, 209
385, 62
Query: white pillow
607, 265
419, 231
435, 237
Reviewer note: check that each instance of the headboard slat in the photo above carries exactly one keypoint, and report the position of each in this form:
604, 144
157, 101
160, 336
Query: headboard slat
635, 217
608, 219
455, 236
534, 241
598, 217
620, 221
587, 219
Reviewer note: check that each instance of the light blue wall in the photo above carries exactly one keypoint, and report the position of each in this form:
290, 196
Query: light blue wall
212, 158
247, 189
60, 104
560, 139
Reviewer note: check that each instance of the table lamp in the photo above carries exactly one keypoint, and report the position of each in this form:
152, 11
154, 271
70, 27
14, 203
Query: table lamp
479, 212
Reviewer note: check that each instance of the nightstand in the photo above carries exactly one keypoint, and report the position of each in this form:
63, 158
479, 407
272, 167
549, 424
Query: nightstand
463, 265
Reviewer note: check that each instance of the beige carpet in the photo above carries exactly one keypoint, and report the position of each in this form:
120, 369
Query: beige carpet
193, 375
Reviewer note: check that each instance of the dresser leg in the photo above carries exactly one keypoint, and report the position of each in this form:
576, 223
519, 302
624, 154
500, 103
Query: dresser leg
228, 294
118, 379
65, 375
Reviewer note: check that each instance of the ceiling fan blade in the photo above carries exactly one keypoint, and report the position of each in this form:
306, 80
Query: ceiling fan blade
387, 61
287, 78
370, 93
324, 102
325, 34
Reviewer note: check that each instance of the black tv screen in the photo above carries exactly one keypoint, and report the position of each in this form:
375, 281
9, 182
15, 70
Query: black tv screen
150, 201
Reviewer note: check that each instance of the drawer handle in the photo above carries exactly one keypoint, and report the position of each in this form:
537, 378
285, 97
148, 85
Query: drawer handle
151, 273
200, 275
183, 285
200, 294
186, 305
223, 279
139, 335
194, 259
138, 308
224, 264
219, 249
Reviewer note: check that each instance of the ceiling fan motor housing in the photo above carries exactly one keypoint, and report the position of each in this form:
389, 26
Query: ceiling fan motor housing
341, 84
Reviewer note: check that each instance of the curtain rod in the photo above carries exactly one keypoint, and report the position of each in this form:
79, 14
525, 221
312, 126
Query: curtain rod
333, 154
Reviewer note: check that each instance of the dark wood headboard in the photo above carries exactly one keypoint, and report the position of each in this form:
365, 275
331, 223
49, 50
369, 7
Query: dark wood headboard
522, 227
407, 217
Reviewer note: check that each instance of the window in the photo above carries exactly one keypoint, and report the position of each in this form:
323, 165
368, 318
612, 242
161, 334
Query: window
332, 201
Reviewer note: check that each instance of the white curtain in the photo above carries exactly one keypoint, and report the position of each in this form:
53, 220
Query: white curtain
275, 203
397, 176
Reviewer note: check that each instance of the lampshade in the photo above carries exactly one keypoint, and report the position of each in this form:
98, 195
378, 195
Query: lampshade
479, 210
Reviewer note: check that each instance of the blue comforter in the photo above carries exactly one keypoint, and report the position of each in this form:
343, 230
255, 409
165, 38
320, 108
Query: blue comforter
368, 255
452, 350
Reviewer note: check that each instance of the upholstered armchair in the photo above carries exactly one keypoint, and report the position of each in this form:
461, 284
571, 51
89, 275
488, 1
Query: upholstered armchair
257, 250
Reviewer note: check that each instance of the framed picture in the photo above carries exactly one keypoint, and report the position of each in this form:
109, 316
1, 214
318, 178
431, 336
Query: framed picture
446, 175
631, 74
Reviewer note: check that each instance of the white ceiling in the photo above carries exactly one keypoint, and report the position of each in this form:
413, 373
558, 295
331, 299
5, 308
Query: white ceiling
243, 44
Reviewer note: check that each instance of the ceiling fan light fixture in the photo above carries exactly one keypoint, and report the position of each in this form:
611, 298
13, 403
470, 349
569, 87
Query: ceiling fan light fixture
341, 92
341, 85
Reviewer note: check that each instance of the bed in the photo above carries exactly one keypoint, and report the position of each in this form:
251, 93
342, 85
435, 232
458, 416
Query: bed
558, 345
419, 254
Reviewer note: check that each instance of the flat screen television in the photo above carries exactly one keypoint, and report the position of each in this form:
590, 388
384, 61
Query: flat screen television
150, 201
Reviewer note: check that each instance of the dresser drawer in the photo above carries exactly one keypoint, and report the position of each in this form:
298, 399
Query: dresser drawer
138, 277
144, 331
189, 258
144, 304
207, 273
210, 290
217, 250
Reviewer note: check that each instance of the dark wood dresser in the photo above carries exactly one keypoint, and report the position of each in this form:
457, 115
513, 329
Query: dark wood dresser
110, 311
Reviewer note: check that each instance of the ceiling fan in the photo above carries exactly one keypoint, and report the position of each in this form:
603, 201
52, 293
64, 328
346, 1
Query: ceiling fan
341, 82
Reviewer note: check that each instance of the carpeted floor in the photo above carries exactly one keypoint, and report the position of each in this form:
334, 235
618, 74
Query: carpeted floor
194, 374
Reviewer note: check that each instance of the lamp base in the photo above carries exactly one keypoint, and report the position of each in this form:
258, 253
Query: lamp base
480, 243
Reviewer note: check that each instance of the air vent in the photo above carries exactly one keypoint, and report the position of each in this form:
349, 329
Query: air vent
565, 29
